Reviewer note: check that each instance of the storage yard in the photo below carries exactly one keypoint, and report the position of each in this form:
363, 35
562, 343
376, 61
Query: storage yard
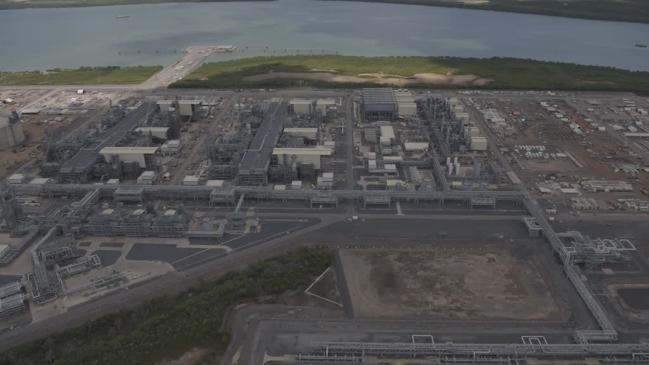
576, 155
482, 223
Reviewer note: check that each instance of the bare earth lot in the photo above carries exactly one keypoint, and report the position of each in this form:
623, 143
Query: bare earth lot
376, 78
456, 283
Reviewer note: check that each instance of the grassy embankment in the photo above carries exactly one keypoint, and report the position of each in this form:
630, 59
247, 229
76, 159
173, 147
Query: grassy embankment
168, 327
627, 10
80, 76
506, 73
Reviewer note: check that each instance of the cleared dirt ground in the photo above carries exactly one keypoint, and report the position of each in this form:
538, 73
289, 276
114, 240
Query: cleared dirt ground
376, 78
485, 283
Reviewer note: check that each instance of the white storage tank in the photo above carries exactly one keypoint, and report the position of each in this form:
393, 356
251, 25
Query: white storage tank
11, 130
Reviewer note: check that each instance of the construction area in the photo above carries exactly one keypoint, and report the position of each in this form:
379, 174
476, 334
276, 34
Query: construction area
580, 155
468, 226
480, 283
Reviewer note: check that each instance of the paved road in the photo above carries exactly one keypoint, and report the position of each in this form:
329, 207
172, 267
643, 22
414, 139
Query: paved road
192, 59
349, 142
169, 284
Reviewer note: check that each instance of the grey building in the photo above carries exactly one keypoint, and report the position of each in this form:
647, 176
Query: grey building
253, 168
379, 104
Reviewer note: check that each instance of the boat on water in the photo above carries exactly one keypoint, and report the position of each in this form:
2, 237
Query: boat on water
640, 45
122, 17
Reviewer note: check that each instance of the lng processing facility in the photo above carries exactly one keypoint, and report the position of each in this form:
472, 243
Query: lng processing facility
468, 226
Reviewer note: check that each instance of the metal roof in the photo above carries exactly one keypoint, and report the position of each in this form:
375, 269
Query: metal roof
128, 150
379, 99
316, 151
257, 156
151, 129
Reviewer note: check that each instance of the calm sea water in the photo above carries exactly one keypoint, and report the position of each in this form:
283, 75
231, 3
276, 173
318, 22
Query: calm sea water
156, 34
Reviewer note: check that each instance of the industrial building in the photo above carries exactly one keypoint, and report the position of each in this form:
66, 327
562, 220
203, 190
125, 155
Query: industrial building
188, 108
304, 156
606, 186
171, 147
302, 106
143, 156
11, 130
146, 178
324, 105
378, 104
416, 146
16, 179
185, 108
253, 168
157, 132
479, 143
135, 223
81, 166
406, 106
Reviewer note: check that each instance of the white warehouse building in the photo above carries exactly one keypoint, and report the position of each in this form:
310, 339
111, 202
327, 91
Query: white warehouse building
322, 105
142, 155
406, 106
302, 155
478, 143
302, 106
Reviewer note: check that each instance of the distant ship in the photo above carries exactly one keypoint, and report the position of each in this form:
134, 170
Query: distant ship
639, 45
122, 17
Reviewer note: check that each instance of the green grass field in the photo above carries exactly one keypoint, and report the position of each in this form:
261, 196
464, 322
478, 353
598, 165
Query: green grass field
168, 327
506, 73
80, 76
621, 10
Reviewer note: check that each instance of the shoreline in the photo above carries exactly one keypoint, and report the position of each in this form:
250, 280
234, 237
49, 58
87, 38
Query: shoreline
109, 75
335, 71
53, 4
550, 9
413, 72
604, 10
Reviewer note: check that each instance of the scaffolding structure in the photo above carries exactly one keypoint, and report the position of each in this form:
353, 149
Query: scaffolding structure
475, 353
253, 168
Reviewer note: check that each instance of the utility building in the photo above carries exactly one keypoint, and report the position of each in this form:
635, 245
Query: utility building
143, 156
157, 132
187, 108
405, 104
78, 168
166, 106
302, 106
304, 156
379, 104
323, 105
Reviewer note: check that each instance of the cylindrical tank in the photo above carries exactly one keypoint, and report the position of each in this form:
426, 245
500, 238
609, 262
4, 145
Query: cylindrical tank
11, 131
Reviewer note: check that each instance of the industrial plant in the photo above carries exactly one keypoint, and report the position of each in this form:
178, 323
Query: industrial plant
469, 227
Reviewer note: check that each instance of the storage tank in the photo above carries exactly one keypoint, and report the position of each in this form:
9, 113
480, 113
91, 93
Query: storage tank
11, 130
